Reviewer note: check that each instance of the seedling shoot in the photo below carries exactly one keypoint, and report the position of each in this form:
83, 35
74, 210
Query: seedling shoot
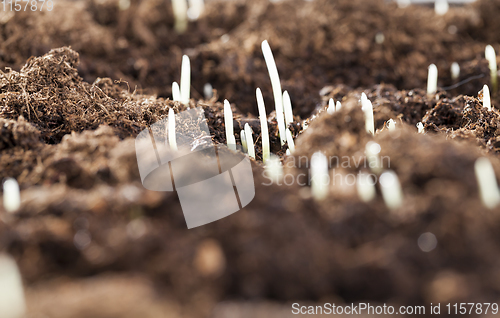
331, 107
11, 195
486, 97
432, 79
228, 122
275, 83
287, 106
180, 9
487, 183
455, 71
391, 189
289, 140
176, 92
249, 138
266, 149
491, 57
319, 176
366, 106
185, 80
365, 187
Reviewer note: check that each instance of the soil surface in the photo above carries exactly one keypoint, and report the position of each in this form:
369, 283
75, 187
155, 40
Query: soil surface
78, 84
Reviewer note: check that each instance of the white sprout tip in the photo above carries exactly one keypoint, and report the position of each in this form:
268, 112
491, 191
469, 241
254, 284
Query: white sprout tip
208, 91
420, 128
403, 3
455, 71
176, 92
11, 195
391, 189
441, 7
228, 123
486, 97
266, 149
287, 107
491, 56
338, 106
243, 140
274, 169
276, 85
185, 80
265, 45
331, 107
364, 98
365, 187
492, 61
12, 299
289, 140
319, 176
372, 151
432, 79
391, 124
367, 107
228, 118
180, 9
196, 8
249, 139
487, 183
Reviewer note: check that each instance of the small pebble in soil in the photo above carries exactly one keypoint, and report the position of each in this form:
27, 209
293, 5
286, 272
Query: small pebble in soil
136, 228
379, 38
427, 242
82, 239
210, 260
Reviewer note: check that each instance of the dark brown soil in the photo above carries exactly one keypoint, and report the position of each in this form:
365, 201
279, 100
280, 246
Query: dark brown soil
91, 241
